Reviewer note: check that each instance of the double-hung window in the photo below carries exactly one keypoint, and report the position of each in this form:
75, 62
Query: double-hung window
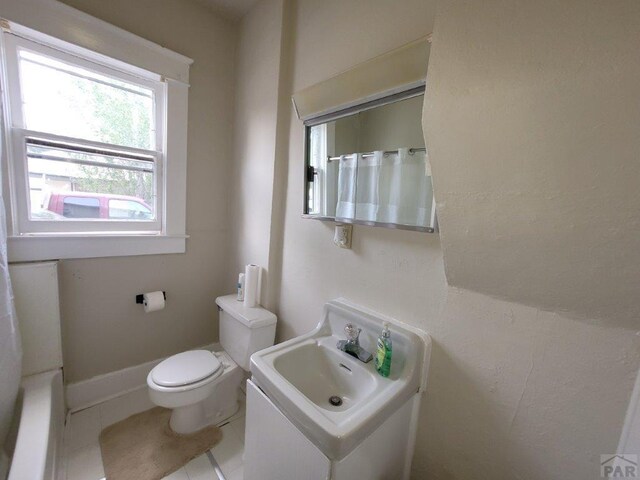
85, 148
82, 135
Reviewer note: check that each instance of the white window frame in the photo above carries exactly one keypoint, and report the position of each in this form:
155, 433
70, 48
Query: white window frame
111, 50
17, 136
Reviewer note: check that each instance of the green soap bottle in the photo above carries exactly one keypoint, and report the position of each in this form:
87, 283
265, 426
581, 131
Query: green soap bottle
383, 355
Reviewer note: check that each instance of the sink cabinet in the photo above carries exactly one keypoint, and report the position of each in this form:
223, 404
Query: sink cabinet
276, 449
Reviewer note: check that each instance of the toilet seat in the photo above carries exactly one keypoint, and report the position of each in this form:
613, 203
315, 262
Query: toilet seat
186, 368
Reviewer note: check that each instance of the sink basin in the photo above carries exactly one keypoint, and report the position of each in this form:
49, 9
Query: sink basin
333, 398
321, 373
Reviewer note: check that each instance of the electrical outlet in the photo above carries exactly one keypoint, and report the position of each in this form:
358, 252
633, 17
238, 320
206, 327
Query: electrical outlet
342, 236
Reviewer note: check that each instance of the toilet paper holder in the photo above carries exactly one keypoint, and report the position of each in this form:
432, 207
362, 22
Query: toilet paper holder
140, 297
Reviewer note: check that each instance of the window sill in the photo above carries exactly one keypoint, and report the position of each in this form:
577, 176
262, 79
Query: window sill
31, 248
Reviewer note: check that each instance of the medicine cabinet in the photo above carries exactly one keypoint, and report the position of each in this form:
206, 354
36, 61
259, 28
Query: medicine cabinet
365, 157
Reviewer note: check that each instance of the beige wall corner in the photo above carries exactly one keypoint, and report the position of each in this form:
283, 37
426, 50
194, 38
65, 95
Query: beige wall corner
256, 115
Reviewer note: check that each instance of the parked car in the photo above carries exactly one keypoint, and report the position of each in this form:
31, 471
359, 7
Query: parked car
45, 215
98, 205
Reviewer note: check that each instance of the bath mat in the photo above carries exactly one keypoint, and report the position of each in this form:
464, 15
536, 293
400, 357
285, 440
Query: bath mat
143, 447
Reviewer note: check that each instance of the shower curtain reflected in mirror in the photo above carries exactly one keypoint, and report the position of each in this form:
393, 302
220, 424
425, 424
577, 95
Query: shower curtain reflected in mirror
406, 191
368, 184
385, 187
347, 181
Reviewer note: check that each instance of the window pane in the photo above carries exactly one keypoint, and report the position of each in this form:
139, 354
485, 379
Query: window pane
128, 209
76, 102
81, 207
65, 184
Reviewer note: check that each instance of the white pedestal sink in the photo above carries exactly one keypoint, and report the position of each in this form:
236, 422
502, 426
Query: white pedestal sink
370, 434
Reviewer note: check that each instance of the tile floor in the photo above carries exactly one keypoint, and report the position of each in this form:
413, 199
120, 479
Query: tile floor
82, 451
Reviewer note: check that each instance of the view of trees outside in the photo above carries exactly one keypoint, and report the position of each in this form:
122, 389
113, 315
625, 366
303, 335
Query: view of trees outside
75, 102
119, 118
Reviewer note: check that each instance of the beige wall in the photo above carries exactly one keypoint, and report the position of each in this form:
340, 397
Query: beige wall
542, 94
535, 174
515, 391
103, 328
518, 392
256, 116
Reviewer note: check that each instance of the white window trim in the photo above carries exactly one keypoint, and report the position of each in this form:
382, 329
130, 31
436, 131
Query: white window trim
16, 145
39, 21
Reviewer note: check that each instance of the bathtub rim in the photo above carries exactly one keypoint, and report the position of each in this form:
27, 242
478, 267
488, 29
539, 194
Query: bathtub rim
38, 449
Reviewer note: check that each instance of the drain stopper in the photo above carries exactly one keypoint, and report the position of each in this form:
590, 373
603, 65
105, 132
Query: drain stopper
335, 400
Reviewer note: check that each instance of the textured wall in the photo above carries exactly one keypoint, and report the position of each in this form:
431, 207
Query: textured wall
103, 329
515, 391
518, 392
532, 123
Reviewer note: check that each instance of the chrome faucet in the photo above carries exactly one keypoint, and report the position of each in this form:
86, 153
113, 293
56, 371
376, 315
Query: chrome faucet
352, 344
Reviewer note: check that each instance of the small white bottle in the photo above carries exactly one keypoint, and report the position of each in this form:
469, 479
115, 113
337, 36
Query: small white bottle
241, 287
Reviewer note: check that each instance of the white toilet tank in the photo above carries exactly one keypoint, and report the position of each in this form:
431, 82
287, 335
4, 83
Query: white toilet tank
244, 331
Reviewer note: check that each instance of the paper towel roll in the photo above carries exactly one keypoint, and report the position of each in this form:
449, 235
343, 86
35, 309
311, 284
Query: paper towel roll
153, 301
251, 285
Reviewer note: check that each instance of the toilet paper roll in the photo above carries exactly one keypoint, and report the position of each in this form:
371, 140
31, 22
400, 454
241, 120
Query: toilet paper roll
251, 285
153, 301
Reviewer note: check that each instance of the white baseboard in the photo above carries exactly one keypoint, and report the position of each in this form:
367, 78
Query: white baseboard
87, 393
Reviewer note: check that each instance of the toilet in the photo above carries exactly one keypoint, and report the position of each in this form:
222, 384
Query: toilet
201, 387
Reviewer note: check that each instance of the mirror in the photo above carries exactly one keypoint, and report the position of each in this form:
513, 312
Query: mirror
369, 165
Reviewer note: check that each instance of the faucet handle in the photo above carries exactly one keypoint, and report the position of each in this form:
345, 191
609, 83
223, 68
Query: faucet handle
352, 332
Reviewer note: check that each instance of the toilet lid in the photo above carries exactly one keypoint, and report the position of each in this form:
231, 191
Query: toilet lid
185, 368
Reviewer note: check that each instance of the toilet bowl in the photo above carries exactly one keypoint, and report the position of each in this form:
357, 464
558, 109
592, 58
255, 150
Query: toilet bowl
201, 387
182, 382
